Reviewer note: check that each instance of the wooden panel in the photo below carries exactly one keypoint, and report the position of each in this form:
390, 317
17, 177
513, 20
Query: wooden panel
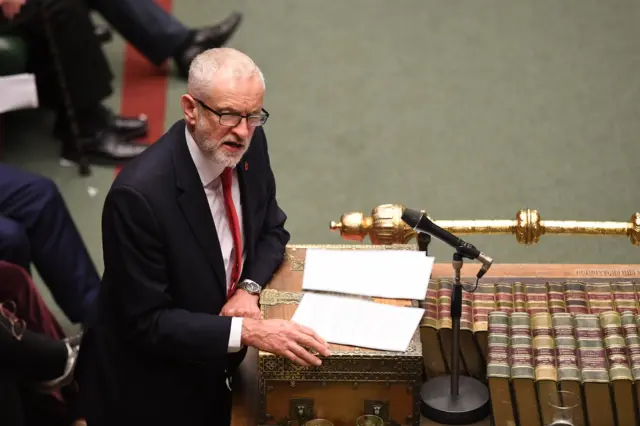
340, 402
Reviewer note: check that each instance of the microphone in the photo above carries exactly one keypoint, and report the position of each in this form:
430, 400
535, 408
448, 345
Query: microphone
421, 223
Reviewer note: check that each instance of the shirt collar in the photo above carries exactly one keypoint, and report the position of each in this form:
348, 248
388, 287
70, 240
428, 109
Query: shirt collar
208, 170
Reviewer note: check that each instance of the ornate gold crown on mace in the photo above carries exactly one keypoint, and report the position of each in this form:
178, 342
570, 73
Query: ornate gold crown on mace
385, 226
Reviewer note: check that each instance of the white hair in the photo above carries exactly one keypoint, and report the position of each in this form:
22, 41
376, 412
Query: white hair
205, 67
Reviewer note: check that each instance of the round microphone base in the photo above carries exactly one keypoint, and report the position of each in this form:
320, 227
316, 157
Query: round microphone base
470, 406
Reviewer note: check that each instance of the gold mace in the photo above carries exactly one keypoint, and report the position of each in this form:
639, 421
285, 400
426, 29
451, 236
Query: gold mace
385, 226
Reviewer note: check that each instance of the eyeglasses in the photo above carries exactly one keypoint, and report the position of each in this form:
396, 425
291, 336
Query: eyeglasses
233, 119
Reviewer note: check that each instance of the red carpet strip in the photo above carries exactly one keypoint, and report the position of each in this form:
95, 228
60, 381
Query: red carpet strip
144, 88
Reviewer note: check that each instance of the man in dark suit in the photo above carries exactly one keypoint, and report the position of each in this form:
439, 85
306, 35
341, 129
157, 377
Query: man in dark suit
189, 242
64, 51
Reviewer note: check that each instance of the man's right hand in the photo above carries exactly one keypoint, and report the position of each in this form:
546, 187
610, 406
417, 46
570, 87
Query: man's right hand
284, 338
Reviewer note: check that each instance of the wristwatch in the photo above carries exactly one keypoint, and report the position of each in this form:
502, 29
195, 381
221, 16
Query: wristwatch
250, 287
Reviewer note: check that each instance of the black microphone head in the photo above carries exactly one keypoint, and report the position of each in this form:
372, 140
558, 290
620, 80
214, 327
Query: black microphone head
411, 217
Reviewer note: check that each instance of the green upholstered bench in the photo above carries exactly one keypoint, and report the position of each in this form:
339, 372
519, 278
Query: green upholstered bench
13, 55
13, 60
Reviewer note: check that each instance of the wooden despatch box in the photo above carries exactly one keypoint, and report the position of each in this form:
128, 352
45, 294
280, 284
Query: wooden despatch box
351, 382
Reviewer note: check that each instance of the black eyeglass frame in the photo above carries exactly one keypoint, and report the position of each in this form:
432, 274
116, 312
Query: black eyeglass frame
264, 116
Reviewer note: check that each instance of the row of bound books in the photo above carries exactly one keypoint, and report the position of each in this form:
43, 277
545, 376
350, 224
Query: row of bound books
573, 297
595, 356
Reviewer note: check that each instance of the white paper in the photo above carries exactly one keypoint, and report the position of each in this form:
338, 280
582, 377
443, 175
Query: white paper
393, 274
356, 322
18, 92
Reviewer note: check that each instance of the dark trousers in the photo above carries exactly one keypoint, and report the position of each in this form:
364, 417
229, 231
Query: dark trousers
36, 227
84, 66
149, 28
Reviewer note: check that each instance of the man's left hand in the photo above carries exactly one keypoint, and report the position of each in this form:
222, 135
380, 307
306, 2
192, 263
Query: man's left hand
241, 304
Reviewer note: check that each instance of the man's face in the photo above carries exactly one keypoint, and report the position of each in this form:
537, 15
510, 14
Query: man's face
218, 137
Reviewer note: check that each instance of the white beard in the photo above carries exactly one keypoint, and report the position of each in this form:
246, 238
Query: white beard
212, 148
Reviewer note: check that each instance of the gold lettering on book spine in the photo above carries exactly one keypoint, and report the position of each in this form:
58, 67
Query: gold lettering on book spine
521, 349
566, 347
591, 350
615, 347
575, 298
632, 340
625, 297
543, 347
600, 297
498, 359
484, 301
430, 305
556, 298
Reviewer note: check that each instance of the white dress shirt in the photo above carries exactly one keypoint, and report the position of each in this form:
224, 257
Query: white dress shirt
210, 172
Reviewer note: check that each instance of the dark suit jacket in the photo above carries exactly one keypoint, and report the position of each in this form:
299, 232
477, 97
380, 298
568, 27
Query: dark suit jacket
156, 351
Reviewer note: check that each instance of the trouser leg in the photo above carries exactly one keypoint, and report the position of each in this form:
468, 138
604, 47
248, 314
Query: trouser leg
56, 248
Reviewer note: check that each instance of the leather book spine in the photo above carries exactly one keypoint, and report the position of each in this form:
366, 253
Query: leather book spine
632, 341
504, 297
599, 297
430, 305
625, 297
543, 347
444, 304
498, 364
466, 316
521, 354
484, 301
519, 300
616, 350
556, 298
591, 353
537, 298
575, 298
565, 347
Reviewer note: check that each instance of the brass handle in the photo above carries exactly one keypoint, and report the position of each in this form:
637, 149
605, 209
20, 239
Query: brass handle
385, 226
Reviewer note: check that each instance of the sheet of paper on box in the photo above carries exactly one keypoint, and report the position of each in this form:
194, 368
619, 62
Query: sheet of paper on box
351, 321
394, 274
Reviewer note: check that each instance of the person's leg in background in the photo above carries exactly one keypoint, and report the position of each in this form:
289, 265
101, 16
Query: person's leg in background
67, 26
158, 35
55, 245
14, 243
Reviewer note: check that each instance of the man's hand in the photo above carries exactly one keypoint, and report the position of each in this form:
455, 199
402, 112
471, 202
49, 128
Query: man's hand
241, 304
11, 8
284, 338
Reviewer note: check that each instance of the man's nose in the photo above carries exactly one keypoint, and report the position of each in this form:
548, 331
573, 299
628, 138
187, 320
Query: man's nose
242, 129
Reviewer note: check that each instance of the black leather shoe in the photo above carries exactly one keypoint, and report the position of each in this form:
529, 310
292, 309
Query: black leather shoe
129, 127
106, 147
206, 38
102, 33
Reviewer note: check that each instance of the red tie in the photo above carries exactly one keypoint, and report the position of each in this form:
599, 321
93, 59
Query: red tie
232, 216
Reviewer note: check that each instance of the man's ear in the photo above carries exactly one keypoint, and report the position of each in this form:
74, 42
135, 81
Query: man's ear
190, 109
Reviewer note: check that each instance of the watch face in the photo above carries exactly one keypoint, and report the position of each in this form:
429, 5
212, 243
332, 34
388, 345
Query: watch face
251, 287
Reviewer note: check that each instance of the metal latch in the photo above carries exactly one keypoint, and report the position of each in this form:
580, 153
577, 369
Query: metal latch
377, 408
301, 409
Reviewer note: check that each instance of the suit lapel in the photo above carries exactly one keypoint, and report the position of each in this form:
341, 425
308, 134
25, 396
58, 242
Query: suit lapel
195, 207
245, 200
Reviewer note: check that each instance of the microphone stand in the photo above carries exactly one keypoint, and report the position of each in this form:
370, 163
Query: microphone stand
455, 399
